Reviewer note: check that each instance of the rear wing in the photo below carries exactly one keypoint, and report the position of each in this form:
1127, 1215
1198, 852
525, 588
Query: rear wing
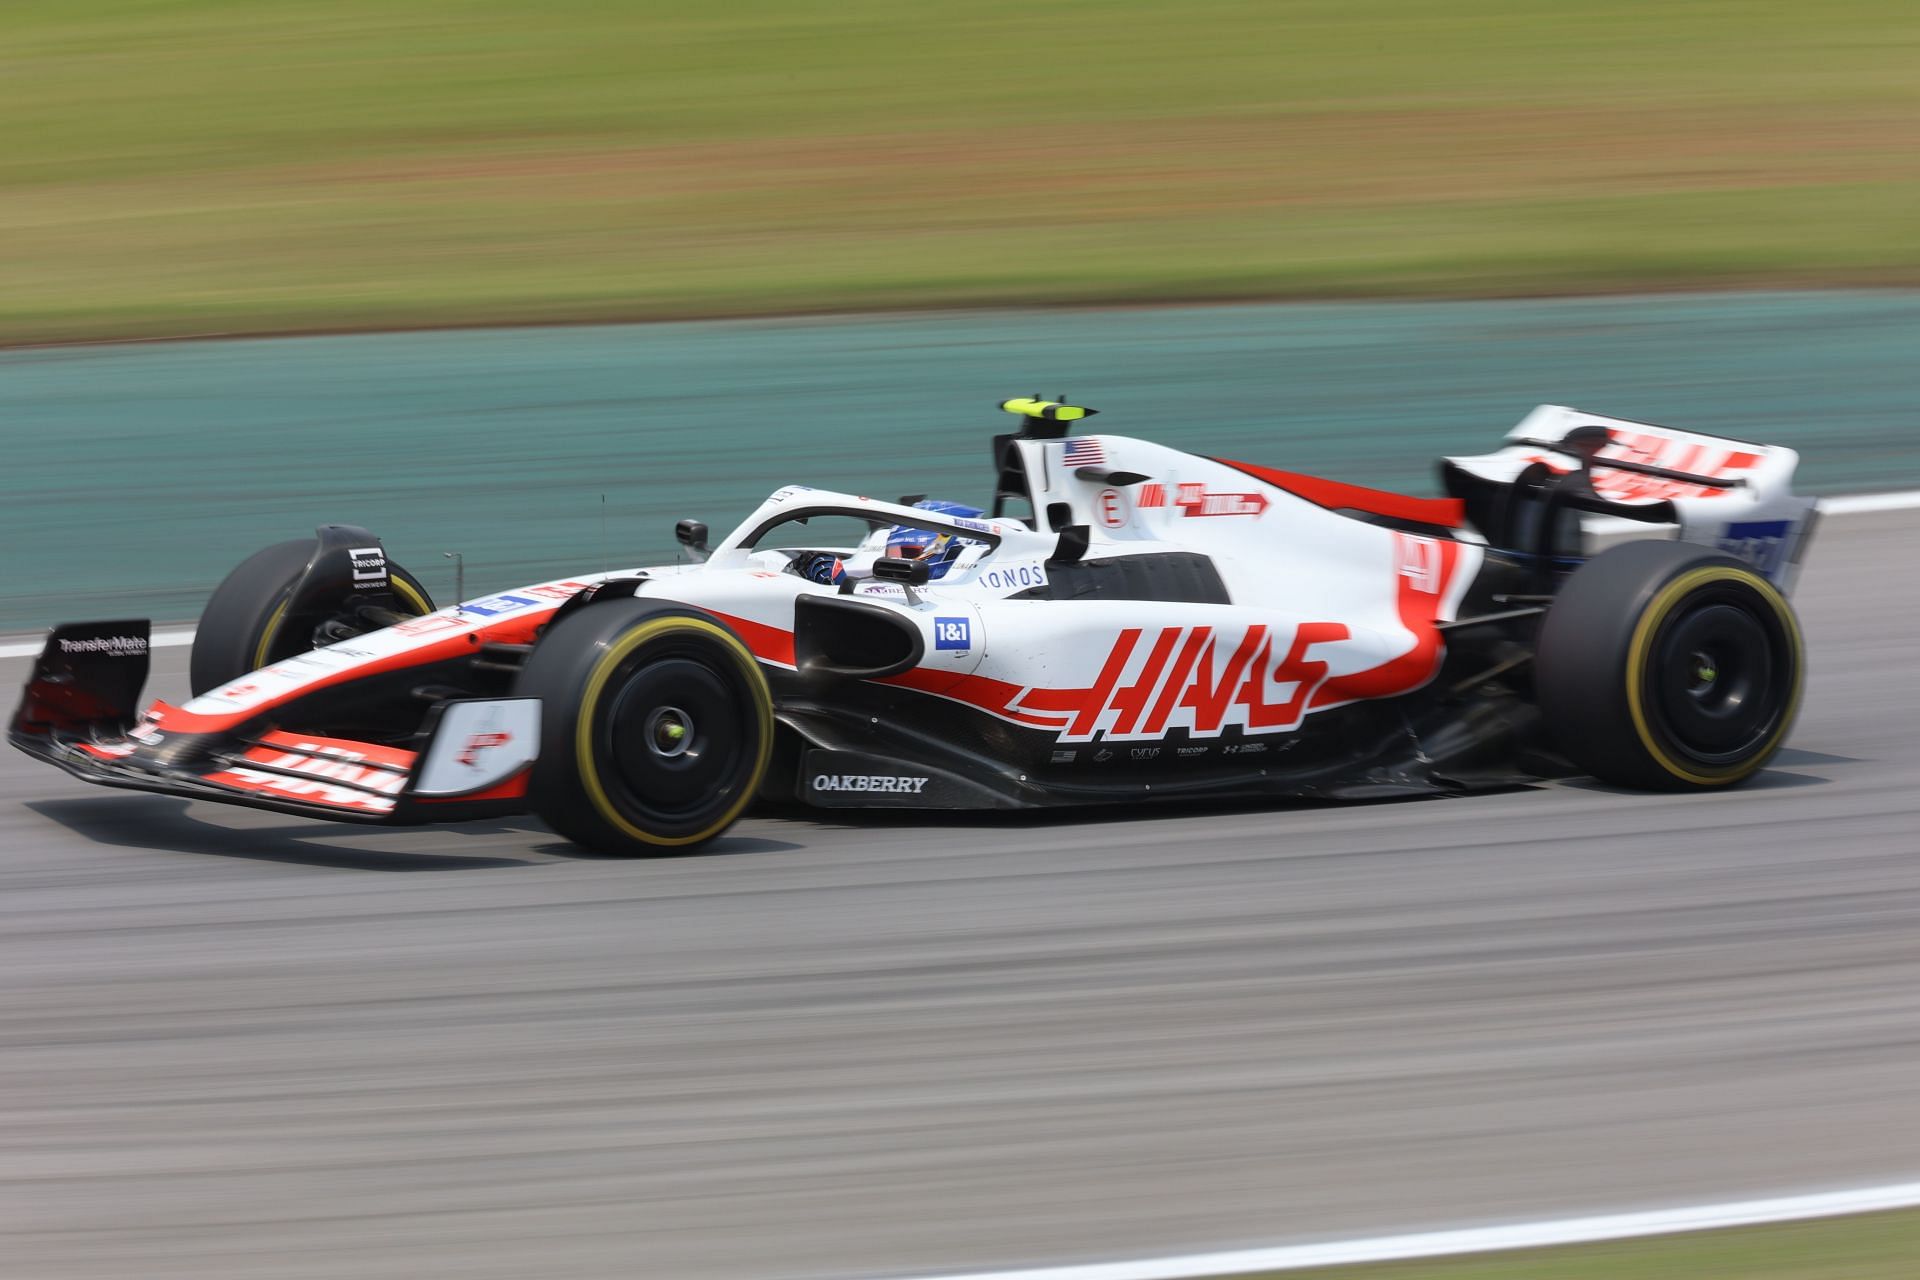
1561, 463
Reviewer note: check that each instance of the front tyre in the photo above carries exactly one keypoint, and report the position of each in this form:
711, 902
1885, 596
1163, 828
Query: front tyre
656, 726
1666, 666
245, 627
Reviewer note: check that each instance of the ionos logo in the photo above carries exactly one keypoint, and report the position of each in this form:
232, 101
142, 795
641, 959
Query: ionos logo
112, 646
1014, 576
869, 782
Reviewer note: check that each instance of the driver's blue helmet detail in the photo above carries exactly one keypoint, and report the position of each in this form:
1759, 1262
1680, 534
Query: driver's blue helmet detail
937, 548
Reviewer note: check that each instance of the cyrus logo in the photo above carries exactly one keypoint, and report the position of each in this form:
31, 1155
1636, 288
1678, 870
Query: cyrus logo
890, 784
1146, 753
470, 754
112, 646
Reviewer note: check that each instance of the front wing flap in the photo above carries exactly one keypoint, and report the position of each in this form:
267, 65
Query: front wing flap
475, 763
473, 760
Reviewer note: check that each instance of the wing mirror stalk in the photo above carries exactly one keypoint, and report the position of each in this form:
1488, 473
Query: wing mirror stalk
908, 573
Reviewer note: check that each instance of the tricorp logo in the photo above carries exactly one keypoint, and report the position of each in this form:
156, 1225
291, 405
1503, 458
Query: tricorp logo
369, 565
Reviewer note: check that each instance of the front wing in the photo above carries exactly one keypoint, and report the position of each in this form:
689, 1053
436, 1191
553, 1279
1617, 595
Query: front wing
473, 759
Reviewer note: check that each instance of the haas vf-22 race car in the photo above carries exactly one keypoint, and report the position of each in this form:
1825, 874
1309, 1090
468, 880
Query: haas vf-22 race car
1122, 623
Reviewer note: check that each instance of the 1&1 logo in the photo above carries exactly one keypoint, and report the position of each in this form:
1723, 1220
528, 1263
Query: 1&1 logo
953, 633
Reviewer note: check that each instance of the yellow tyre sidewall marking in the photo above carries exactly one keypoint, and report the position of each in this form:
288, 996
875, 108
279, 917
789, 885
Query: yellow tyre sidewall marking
603, 670
415, 601
266, 637
405, 590
1655, 614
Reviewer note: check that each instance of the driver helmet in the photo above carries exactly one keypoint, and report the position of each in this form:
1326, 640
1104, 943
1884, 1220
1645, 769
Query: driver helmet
938, 549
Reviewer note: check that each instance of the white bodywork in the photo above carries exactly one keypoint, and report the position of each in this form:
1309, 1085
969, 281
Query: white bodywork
1325, 609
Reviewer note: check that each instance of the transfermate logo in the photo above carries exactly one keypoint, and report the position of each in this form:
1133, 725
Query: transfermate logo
112, 646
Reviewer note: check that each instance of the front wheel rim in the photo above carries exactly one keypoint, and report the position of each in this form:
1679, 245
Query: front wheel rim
676, 738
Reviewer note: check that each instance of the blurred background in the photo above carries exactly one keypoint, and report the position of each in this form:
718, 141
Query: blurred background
182, 168
189, 166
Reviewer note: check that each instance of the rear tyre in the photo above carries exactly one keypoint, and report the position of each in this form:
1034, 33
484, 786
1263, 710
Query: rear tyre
1666, 666
656, 726
240, 629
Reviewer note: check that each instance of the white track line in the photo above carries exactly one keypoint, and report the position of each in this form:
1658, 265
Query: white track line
1858, 504
1523, 1235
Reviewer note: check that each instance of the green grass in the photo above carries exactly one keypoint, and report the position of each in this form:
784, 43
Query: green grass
183, 166
1882, 1246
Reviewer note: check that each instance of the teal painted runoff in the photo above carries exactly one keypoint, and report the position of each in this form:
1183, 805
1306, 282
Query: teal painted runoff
136, 475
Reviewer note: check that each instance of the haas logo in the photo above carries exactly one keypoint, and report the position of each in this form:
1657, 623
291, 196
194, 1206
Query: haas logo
1194, 678
470, 754
1262, 677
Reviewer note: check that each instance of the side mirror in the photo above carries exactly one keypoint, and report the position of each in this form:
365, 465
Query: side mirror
692, 534
912, 573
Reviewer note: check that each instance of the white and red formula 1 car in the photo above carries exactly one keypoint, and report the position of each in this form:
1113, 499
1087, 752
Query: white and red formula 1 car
1125, 623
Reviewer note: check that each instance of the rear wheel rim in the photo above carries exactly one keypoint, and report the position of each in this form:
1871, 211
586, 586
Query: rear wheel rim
1719, 677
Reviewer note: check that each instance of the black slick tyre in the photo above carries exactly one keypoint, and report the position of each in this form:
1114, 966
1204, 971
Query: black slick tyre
240, 629
656, 726
1668, 666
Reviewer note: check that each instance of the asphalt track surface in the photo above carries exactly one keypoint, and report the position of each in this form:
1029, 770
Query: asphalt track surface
237, 1044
